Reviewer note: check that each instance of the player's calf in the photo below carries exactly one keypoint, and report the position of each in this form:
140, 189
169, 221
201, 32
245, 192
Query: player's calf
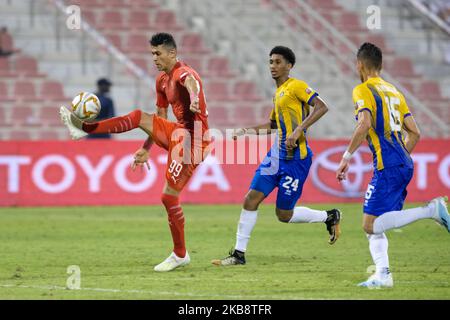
114, 125
284, 215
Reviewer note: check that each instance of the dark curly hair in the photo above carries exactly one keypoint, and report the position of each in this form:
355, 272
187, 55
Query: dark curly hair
163, 38
287, 53
371, 56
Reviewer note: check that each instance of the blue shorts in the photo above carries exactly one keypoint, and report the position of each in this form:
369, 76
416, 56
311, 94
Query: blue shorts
288, 175
387, 190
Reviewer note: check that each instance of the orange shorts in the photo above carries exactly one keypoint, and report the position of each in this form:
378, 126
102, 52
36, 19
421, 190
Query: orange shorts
185, 154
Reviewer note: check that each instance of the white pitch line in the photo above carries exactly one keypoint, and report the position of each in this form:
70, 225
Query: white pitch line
167, 293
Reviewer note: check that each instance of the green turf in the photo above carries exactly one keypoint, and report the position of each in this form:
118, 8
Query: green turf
117, 247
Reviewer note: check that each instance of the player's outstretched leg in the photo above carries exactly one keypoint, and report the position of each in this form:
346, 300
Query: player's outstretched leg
331, 218
179, 257
79, 129
247, 222
436, 209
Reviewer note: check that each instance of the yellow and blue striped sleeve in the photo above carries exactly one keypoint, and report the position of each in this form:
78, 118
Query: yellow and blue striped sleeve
403, 108
363, 100
303, 92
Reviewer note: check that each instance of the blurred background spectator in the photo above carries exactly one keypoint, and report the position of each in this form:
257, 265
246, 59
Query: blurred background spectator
107, 111
6, 47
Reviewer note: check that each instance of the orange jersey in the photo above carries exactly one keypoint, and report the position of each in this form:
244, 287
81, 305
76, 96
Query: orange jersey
170, 90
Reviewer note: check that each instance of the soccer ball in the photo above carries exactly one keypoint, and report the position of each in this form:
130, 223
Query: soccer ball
86, 106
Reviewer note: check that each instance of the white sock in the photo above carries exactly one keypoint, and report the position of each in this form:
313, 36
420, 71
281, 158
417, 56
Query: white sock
378, 246
246, 224
307, 215
396, 219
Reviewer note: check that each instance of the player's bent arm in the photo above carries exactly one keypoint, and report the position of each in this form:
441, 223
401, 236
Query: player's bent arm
359, 135
413, 133
193, 87
262, 129
361, 131
320, 108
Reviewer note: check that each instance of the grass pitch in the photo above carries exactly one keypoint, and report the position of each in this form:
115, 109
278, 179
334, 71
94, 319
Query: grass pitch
116, 249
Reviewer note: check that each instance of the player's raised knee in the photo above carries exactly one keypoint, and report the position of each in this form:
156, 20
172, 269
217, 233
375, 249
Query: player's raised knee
283, 215
368, 228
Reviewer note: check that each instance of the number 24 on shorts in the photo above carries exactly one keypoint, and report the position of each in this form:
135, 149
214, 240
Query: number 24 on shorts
290, 182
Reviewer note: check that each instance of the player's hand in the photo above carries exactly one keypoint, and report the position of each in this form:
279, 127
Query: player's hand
195, 106
140, 159
341, 172
291, 140
238, 132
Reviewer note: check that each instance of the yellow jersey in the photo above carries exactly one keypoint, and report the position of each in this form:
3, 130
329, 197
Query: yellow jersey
291, 106
388, 109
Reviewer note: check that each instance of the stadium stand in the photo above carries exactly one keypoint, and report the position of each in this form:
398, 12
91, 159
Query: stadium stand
228, 43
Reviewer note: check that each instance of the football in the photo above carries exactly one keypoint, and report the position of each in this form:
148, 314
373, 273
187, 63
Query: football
86, 106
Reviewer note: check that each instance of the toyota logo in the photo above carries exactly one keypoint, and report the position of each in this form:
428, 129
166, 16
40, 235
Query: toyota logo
353, 185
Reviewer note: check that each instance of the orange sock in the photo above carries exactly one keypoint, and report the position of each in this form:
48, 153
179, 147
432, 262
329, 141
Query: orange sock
176, 223
115, 125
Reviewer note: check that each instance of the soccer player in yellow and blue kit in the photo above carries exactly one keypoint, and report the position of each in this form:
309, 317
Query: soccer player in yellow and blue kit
383, 115
287, 164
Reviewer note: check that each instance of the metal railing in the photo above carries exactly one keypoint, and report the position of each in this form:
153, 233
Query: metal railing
90, 33
342, 40
437, 21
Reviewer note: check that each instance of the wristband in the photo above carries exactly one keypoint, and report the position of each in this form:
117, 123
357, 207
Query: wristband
347, 155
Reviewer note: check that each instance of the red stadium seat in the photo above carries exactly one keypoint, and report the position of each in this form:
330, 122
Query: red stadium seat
196, 63
5, 68
48, 135
218, 66
7, 42
379, 41
348, 21
193, 43
139, 20
85, 4
25, 90
166, 20
23, 115
50, 115
400, 67
4, 93
27, 66
219, 116
115, 39
111, 20
430, 90
246, 90
52, 90
140, 4
19, 135
244, 115
136, 43
217, 90
3, 121
264, 112
142, 63
88, 15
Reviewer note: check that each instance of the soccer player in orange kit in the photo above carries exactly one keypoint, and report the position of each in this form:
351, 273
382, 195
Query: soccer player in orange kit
179, 85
